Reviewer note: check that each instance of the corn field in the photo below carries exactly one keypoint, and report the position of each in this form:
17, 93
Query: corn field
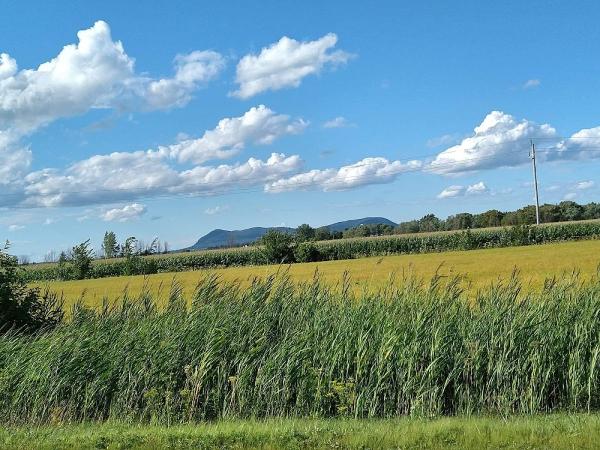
332, 250
277, 349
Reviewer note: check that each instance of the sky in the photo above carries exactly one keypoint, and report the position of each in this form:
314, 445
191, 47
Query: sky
169, 119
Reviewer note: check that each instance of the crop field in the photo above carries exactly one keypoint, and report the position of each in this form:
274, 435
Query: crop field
477, 267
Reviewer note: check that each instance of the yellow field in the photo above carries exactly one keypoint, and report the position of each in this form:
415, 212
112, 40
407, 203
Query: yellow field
480, 267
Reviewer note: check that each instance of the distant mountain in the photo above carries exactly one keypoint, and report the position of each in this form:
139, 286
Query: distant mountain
225, 238
341, 226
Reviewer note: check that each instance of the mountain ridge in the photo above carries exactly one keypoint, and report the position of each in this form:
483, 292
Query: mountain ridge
219, 237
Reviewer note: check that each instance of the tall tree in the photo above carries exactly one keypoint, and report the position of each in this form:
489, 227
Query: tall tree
82, 256
110, 247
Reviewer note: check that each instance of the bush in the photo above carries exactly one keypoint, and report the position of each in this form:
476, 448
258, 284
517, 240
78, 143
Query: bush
307, 252
278, 247
22, 308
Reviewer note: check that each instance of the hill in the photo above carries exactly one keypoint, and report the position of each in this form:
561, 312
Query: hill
225, 238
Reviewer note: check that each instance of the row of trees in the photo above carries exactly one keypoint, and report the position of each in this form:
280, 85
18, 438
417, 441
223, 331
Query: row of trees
110, 248
565, 211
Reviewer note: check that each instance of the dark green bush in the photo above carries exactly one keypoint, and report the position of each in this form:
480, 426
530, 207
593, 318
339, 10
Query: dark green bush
22, 308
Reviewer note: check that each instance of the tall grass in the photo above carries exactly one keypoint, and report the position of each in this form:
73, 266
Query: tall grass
277, 349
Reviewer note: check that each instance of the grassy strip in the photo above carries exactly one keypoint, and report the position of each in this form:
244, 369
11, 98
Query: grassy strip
277, 349
560, 431
335, 250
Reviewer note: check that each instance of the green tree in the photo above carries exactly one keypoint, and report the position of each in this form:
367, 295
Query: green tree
305, 233
491, 218
571, 210
322, 234
110, 247
591, 211
21, 307
429, 223
278, 246
81, 258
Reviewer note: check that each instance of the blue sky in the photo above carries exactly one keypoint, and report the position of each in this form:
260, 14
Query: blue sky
169, 120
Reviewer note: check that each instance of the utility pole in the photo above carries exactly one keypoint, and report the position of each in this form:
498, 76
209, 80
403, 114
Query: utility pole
535, 183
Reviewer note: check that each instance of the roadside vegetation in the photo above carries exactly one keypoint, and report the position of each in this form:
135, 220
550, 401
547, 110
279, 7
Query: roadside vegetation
572, 431
280, 349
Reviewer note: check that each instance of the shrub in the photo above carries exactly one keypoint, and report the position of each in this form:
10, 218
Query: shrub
22, 308
278, 247
307, 252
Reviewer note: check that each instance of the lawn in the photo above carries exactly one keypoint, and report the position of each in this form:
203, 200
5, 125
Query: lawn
479, 268
560, 431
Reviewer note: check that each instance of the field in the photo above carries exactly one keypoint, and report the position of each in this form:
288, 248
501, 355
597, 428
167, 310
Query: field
479, 267
558, 431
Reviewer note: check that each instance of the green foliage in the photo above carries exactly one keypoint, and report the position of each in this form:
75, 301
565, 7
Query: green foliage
110, 247
307, 252
23, 308
305, 233
81, 258
277, 349
278, 247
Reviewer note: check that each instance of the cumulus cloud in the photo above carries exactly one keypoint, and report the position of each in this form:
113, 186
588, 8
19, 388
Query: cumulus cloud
570, 196
584, 144
15, 227
285, 63
191, 71
499, 141
338, 122
259, 125
127, 176
460, 191
367, 171
94, 73
125, 213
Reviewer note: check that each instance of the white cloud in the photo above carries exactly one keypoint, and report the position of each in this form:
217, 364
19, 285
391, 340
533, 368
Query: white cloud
128, 176
584, 144
95, 73
338, 122
452, 191
49, 221
15, 227
125, 213
477, 188
499, 141
216, 210
570, 196
530, 84
460, 191
367, 171
583, 185
285, 63
259, 125
191, 71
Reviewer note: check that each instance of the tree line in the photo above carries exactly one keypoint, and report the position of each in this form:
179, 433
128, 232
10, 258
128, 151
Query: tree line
565, 211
